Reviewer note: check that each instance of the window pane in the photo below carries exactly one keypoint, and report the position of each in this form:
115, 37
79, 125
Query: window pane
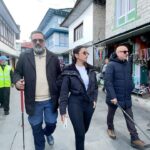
78, 32
63, 39
131, 4
123, 7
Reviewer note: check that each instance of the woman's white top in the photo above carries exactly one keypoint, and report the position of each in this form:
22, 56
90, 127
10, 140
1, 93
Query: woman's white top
84, 75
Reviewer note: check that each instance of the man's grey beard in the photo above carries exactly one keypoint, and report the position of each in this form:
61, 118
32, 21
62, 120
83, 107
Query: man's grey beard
39, 50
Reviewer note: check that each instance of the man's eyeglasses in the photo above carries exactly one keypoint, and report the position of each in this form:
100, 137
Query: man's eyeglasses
125, 52
35, 40
85, 53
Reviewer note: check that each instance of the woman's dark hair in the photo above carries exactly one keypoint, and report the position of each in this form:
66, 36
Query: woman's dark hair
76, 50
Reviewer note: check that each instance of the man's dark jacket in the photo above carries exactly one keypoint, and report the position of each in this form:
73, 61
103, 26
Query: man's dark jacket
73, 83
118, 82
26, 69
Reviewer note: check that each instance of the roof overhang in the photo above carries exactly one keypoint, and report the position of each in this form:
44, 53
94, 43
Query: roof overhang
128, 34
49, 14
10, 52
79, 8
52, 30
63, 52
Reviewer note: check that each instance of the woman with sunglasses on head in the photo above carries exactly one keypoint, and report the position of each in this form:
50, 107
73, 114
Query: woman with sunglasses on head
80, 80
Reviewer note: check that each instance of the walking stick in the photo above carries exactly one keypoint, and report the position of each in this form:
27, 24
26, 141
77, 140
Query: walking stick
133, 121
22, 111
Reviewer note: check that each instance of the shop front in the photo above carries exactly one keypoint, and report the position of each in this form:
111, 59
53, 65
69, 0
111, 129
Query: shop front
139, 54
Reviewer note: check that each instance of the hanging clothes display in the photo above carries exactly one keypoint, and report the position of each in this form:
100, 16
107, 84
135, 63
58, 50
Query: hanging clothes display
140, 63
136, 76
144, 75
100, 55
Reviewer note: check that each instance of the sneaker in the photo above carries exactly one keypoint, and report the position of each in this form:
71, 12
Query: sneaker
138, 144
111, 133
50, 140
6, 112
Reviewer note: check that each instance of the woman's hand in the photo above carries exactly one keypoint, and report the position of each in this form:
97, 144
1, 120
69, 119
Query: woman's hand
94, 104
63, 118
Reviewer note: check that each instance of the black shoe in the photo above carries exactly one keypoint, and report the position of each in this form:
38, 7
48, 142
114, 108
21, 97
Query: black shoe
6, 112
50, 140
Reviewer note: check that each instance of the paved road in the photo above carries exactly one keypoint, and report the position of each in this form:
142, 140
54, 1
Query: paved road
96, 138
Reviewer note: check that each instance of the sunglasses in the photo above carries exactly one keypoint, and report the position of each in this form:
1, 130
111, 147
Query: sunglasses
124, 52
85, 53
40, 40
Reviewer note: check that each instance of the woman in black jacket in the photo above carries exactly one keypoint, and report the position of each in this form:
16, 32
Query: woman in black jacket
80, 80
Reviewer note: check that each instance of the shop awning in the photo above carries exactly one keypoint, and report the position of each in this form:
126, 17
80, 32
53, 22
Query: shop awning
128, 34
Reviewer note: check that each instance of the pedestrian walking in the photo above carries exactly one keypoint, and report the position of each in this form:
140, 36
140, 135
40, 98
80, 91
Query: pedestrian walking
6, 74
79, 79
36, 73
119, 85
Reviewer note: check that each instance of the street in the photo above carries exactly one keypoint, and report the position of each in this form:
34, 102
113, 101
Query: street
96, 138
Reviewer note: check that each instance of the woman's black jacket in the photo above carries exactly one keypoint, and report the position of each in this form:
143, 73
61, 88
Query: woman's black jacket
73, 83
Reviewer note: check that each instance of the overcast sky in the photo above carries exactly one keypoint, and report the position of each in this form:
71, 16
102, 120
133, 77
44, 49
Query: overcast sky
29, 13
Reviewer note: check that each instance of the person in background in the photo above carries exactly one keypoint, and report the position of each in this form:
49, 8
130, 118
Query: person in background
1, 103
6, 75
119, 86
36, 73
104, 69
79, 79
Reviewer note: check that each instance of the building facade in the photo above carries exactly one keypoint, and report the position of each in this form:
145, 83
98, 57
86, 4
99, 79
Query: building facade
128, 22
84, 27
9, 33
56, 36
124, 15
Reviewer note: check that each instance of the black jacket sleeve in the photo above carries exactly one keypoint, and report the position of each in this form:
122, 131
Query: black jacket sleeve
58, 67
18, 73
63, 100
96, 89
108, 81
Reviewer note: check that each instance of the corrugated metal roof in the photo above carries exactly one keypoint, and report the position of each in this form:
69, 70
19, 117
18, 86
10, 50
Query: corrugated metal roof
27, 44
